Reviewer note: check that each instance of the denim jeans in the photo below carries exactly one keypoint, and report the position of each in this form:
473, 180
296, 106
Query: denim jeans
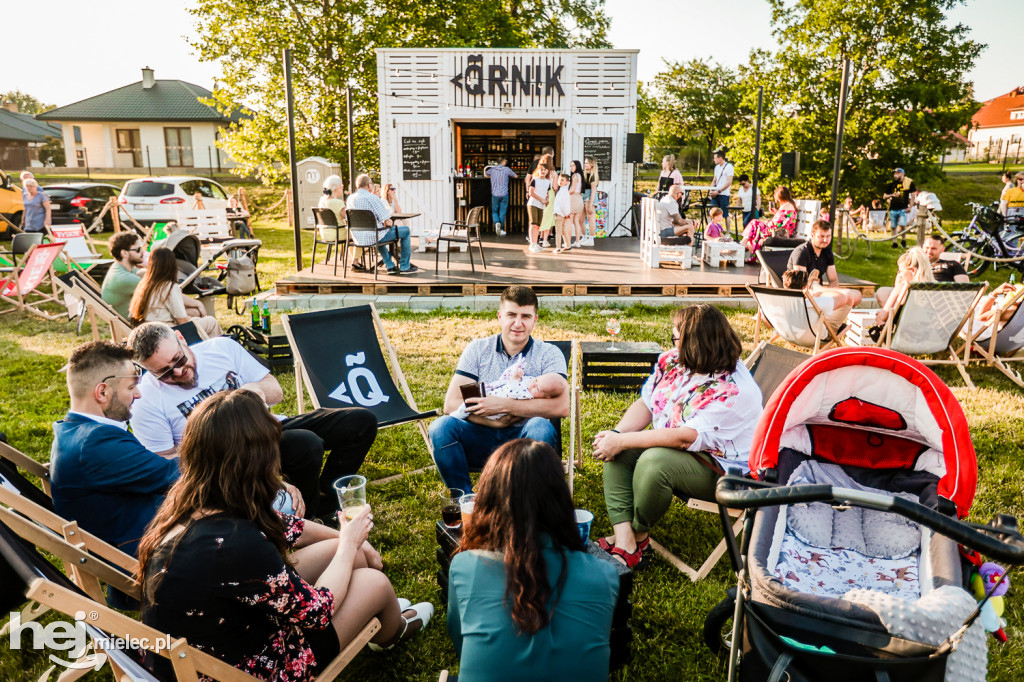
460, 444
897, 219
722, 202
747, 217
405, 243
499, 209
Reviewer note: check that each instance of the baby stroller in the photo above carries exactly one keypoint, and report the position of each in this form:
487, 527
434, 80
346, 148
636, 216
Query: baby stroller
851, 571
236, 277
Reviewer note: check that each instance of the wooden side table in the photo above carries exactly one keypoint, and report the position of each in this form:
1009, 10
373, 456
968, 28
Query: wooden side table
621, 639
623, 369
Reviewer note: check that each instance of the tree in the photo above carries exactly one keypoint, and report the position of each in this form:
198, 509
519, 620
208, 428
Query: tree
333, 44
52, 152
695, 101
27, 104
907, 91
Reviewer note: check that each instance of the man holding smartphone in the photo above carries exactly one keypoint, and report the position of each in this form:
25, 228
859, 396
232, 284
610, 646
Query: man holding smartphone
461, 443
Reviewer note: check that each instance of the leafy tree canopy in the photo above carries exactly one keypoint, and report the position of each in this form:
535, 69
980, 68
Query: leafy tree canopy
27, 104
907, 91
333, 45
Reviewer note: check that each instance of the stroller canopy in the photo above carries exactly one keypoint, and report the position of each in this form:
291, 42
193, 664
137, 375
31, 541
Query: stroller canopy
873, 408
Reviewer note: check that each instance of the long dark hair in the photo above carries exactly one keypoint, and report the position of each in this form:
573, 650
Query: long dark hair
521, 497
707, 342
162, 268
578, 171
230, 462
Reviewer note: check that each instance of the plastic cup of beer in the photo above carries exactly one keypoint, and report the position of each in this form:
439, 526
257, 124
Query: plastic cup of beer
466, 505
351, 491
450, 511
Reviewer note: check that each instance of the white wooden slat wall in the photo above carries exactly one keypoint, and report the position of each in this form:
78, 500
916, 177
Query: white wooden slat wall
417, 98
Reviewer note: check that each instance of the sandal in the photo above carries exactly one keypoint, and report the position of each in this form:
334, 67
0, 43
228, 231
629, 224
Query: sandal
632, 560
607, 546
423, 610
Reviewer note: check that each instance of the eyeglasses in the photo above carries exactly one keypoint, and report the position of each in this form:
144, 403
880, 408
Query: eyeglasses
137, 249
139, 369
675, 339
178, 363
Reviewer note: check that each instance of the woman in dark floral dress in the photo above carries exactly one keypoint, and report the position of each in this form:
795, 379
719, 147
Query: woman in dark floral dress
271, 594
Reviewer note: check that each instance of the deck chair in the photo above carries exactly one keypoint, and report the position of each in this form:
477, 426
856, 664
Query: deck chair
928, 320
1005, 344
773, 264
189, 332
207, 225
12, 463
768, 365
338, 360
21, 289
79, 251
99, 311
29, 574
795, 318
572, 458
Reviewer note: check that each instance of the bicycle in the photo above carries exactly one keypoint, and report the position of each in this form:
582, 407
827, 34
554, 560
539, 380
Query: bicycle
991, 237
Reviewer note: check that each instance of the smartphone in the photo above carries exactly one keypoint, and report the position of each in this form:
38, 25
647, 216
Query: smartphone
474, 390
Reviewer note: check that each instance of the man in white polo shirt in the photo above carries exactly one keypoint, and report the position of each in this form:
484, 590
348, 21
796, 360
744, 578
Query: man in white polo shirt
461, 443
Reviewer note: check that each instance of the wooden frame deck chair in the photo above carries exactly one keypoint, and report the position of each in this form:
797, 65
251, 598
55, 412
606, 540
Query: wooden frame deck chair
38, 581
1006, 344
12, 463
79, 251
574, 457
21, 243
21, 289
773, 264
98, 310
795, 318
338, 360
928, 320
769, 365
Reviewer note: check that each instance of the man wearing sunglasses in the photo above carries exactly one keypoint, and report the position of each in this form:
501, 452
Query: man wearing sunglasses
100, 474
180, 377
124, 275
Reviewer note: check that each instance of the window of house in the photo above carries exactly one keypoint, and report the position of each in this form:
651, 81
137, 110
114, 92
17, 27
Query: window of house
78, 134
128, 142
179, 147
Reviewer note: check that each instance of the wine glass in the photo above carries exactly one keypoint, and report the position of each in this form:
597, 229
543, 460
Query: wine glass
613, 327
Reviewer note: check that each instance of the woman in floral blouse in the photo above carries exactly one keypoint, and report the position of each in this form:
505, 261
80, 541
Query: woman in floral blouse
271, 594
701, 404
782, 224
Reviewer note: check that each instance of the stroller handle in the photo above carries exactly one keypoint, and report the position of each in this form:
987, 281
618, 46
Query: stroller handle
1000, 542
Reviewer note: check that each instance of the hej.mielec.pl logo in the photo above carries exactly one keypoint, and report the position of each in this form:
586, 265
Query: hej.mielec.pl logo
61, 636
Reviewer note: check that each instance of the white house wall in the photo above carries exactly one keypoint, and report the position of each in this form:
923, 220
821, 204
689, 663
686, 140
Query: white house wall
100, 141
991, 137
418, 98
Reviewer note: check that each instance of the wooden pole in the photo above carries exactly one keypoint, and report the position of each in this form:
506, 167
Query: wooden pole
351, 142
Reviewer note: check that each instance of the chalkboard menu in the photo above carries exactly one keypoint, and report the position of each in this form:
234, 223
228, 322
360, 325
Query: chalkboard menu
600, 149
415, 158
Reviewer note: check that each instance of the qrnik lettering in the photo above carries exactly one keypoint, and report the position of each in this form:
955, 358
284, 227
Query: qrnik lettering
533, 79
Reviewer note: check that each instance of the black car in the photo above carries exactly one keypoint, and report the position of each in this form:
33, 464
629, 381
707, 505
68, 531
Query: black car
81, 202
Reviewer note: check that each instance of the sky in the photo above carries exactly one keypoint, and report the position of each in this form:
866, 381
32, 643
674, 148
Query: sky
103, 50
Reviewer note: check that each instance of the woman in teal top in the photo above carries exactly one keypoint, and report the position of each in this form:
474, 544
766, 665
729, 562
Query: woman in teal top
522, 539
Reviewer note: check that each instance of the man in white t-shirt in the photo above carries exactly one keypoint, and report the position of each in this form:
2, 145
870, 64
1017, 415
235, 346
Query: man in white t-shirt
670, 223
722, 183
180, 377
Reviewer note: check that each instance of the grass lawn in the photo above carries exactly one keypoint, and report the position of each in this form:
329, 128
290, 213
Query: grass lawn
668, 609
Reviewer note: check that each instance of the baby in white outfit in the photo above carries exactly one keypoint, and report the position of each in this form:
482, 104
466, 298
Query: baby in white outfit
514, 384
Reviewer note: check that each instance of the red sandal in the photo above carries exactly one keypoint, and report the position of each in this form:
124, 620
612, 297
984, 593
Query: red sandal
632, 561
607, 546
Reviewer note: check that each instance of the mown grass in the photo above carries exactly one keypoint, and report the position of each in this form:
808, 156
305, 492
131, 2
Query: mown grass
668, 609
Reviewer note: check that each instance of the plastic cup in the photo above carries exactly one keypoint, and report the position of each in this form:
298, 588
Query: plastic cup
583, 521
466, 505
450, 509
351, 491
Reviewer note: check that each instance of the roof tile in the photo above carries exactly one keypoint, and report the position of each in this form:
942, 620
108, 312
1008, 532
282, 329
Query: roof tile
996, 112
167, 100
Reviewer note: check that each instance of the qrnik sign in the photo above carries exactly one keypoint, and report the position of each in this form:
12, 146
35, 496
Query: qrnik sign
523, 76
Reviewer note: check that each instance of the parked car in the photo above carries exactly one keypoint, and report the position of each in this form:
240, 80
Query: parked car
151, 200
80, 202
10, 203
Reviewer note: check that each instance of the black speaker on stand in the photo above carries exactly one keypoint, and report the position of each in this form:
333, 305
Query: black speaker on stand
634, 155
790, 164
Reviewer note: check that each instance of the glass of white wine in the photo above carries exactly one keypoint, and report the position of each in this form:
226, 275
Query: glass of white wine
613, 327
351, 491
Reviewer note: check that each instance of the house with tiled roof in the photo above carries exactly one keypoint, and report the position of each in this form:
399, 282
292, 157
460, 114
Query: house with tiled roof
998, 127
151, 124
21, 136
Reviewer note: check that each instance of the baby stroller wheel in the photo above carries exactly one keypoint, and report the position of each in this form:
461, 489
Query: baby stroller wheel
718, 624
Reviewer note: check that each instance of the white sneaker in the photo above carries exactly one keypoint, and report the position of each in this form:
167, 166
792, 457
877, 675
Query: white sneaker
544, 243
535, 249
500, 233
424, 611
588, 240
528, 239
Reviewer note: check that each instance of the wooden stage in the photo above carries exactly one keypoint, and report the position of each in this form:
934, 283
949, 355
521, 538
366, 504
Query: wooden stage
610, 268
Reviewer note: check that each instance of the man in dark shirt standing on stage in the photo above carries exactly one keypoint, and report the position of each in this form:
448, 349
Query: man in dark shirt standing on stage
900, 193
499, 176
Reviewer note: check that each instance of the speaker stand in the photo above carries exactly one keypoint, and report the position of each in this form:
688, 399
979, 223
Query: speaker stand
630, 213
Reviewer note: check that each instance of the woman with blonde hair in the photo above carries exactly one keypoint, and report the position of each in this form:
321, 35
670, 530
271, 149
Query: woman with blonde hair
591, 176
670, 175
547, 223
914, 266
158, 297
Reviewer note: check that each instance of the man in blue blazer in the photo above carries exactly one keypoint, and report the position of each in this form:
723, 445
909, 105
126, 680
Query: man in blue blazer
100, 474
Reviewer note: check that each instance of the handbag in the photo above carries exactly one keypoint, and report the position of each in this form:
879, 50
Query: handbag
241, 276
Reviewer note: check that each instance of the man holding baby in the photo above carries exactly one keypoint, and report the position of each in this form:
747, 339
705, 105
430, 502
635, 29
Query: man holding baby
513, 364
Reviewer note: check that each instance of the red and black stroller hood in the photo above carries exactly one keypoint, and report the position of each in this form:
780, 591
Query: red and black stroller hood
872, 408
